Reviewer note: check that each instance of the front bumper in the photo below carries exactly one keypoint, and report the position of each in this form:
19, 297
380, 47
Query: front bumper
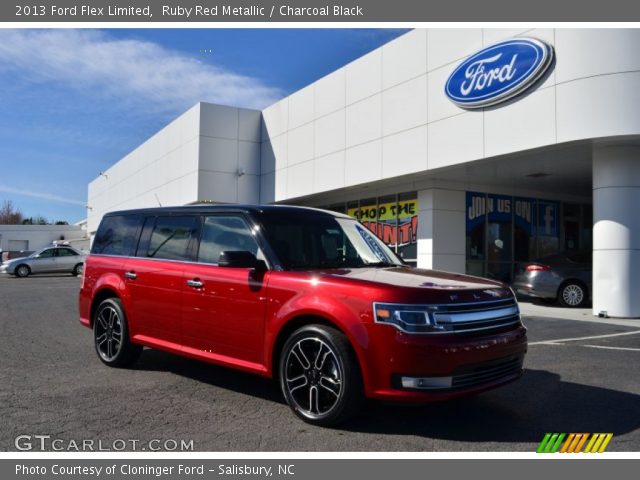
451, 365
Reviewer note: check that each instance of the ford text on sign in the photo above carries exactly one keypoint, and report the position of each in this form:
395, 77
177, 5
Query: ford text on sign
498, 73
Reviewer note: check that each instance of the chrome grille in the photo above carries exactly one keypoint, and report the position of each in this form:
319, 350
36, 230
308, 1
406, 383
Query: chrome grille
472, 317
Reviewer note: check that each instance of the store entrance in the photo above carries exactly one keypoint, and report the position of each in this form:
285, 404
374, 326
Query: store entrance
504, 231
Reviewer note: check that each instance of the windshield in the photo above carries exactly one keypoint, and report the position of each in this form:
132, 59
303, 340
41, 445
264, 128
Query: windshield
303, 241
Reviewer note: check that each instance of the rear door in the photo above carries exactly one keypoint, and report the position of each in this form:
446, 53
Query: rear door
224, 307
154, 278
67, 259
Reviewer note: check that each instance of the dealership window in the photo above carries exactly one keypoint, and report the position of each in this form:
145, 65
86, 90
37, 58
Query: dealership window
393, 218
503, 231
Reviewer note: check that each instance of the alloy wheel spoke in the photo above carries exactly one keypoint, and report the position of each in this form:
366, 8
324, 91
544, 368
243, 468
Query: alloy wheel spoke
300, 356
320, 357
102, 320
330, 385
313, 399
296, 383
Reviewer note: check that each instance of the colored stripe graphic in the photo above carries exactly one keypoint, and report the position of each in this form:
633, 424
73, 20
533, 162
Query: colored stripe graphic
597, 442
550, 443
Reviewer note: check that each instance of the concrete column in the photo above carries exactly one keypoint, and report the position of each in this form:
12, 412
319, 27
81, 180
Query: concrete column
441, 230
616, 231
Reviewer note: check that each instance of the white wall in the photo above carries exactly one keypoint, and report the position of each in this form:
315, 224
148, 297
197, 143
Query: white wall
386, 113
196, 157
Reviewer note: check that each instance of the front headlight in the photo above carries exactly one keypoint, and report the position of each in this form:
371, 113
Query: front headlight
408, 318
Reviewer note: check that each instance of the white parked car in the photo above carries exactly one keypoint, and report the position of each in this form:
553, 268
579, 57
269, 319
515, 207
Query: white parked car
47, 260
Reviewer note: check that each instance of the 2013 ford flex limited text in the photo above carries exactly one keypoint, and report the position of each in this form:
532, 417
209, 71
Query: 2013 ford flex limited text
309, 297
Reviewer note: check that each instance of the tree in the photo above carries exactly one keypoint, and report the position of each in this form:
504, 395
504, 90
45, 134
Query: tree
9, 214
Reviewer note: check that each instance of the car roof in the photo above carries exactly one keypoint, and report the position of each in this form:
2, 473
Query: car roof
229, 208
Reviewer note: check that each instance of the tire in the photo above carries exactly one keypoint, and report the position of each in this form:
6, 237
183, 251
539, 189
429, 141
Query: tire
111, 335
22, 271
77, 270
328, 391
572, 294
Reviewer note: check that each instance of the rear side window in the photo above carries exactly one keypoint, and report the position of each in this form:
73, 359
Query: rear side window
172, 238
117, 235
66, 252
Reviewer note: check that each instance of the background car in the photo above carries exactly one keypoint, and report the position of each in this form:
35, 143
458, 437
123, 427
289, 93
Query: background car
47, 260
565, 277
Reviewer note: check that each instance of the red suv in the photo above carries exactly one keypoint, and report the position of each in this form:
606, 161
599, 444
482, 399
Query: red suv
309, 297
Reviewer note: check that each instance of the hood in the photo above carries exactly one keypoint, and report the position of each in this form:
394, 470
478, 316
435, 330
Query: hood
450, 286
13, 260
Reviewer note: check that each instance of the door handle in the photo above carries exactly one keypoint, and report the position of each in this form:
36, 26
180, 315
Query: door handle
195, 283
131, 275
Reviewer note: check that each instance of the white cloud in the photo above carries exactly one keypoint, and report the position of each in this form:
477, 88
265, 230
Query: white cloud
132, 71
42, 195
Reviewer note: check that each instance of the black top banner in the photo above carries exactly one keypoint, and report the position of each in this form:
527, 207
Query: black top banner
318, 11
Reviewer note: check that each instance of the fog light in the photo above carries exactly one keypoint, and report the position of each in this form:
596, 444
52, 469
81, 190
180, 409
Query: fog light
426, 383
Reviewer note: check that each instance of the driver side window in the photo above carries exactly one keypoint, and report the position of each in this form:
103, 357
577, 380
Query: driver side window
47, 253
226, 233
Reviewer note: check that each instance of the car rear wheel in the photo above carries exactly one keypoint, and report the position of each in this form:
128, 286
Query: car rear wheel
572, 294
77, 270
111, 335
319, 375
22, 271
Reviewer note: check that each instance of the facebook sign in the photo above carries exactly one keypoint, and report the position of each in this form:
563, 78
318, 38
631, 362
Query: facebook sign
548, 221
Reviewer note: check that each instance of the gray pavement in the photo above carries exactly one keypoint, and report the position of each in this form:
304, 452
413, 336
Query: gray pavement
53, 384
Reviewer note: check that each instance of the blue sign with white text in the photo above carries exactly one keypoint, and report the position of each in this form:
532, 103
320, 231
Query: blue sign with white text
498, 73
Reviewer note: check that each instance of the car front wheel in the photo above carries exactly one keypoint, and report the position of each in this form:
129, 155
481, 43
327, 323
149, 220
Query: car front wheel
111, 335
572, 294
319, 375
22, 271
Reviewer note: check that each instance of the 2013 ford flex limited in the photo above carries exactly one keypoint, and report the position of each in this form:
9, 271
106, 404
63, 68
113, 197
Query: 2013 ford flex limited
309, 297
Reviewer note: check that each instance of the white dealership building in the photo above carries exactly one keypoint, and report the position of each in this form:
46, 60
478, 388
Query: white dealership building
553, 166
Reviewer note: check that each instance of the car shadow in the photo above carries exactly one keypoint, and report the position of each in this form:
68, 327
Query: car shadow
221, 377
522, 411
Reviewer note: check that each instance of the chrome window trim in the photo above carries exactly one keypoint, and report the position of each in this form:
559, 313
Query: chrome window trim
163, 260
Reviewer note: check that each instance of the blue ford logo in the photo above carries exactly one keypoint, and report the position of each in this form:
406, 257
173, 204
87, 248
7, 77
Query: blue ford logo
498, 73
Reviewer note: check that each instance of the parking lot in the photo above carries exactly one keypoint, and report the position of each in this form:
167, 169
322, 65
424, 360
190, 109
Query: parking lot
581, 376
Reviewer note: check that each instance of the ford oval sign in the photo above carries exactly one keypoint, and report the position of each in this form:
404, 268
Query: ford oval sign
498, 73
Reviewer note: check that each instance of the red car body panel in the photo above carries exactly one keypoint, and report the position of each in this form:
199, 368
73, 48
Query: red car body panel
236, 318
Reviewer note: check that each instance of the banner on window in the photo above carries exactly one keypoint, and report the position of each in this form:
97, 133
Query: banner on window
395, 223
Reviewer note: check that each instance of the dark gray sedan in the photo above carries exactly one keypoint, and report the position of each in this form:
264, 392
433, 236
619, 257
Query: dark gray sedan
47, 260
565, 277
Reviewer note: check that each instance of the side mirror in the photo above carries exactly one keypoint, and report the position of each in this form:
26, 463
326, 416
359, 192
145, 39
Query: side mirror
240, 259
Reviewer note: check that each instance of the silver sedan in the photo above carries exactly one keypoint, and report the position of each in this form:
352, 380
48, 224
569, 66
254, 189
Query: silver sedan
47, 260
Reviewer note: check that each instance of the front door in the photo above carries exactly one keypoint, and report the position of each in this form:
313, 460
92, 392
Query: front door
224, 307
45, 261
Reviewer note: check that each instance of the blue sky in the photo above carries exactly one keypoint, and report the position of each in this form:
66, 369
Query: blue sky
73, 102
